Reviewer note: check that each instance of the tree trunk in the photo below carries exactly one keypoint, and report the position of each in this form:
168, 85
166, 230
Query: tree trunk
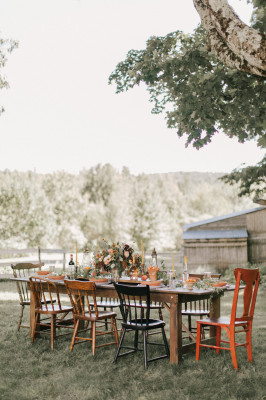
234, 43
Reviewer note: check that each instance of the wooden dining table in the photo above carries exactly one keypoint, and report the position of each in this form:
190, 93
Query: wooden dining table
172, 299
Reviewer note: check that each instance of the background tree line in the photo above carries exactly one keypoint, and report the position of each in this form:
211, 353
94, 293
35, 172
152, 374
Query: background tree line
60, 209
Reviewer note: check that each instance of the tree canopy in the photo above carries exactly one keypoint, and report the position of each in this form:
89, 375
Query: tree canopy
6, 46
200, 93
61, 209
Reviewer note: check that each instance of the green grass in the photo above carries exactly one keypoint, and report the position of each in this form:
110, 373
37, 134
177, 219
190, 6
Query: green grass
33, 371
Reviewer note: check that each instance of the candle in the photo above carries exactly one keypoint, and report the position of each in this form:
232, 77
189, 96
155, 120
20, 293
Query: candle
185, 260
76, 254
173, 263
142, 254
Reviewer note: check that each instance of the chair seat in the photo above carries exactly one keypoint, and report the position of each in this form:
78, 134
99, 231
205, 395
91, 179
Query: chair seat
55, 309
195, 312
105, 303
144, 305
221, 321
27, 303
143, 324
92, 317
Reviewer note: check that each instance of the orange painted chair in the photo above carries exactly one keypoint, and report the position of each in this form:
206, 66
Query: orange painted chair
233, 325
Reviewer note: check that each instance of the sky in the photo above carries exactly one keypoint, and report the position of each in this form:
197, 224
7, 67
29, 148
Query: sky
60, 112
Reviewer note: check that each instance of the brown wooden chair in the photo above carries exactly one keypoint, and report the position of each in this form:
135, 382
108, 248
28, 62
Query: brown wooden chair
24, 270
83, 311
235, 324
47, 302
198, 309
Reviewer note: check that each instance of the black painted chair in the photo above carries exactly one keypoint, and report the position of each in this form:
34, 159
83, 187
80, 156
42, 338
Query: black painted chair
137, 318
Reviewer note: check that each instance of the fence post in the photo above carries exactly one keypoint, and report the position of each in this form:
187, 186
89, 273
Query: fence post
64, 260
39, 255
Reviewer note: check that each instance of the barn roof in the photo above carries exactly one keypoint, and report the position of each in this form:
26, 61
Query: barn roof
222, 217
215, 234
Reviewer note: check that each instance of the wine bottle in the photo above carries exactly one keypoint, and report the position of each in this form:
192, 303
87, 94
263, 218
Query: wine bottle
71, 266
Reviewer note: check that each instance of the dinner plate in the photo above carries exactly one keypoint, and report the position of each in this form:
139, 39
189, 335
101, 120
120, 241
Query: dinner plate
56, 277
219, 284
100, 280
43, 272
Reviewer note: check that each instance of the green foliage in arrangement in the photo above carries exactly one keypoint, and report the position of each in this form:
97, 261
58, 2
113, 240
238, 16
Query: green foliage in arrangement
36, 372
60, 209
199, 94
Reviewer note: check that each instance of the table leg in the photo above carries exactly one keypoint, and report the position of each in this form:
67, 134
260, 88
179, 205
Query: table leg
215, 310
175, 333
32, 317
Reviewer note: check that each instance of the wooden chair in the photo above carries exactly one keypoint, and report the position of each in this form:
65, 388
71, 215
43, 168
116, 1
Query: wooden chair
106, 303
198, 309
77, 290
45, 294
24, 270
138, 319
234, 324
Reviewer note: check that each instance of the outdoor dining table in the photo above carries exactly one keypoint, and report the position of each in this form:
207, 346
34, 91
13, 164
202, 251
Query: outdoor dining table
172, 299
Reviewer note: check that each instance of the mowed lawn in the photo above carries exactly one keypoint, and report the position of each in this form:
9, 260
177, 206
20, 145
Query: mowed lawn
32, 371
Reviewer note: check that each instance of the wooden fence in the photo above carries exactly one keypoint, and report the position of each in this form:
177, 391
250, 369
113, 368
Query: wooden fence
34, 255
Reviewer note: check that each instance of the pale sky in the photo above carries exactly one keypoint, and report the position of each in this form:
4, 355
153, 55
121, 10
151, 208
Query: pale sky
61, 114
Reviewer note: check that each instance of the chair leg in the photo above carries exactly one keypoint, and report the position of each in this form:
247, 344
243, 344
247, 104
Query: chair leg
123, 331
218, 338
93, 343
249, 343
136, 340
20, 317
114, 330
198, 341
74, 335
233, 349
202, 330
106, 323
165, 343
189, 323
34, 328
145, 349
53, 327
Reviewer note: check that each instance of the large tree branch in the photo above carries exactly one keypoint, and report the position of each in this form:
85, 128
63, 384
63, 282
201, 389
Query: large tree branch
234, 43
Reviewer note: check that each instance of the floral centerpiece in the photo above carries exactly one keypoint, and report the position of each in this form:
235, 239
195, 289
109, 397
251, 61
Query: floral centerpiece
115, 257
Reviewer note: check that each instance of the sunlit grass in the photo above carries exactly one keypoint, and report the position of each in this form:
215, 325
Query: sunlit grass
32, 372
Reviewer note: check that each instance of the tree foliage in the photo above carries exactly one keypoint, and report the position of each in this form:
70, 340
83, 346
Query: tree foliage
252, 179
200, 95
60, 209
6, 47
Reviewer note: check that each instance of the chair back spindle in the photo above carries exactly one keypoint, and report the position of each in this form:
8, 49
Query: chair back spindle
132, 301
251, 280
44, 293
76, 291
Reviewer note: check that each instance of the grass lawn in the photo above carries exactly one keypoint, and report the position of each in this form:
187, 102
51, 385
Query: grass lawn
32, 371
